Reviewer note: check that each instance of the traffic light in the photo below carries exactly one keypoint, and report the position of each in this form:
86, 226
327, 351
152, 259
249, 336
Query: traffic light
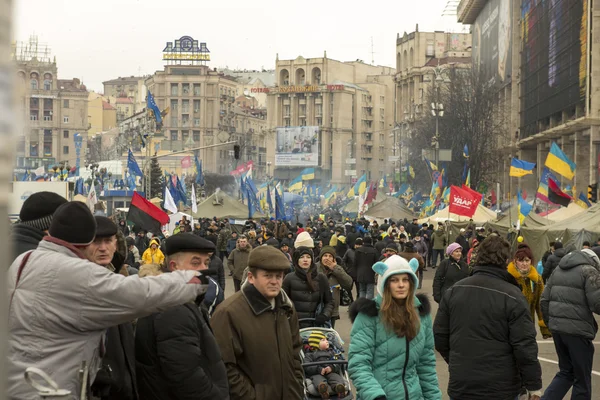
236, 151
592, 194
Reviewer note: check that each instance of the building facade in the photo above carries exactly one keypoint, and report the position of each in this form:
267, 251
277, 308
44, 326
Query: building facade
52, 110
102, 114
131, 87
350, 107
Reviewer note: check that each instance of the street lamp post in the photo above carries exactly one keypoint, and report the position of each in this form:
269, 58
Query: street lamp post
437, 110
268, 171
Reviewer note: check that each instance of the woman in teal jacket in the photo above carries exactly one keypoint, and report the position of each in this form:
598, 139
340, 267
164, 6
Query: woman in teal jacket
391, 353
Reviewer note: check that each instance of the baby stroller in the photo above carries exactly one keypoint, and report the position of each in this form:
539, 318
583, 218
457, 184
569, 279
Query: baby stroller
335, 343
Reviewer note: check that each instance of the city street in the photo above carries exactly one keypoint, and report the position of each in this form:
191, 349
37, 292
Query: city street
547, 354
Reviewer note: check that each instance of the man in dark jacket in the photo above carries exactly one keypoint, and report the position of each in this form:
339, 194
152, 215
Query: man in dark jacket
177, 354
365, 256
557, 254
569, 301
216, 264
258, 335
500, 356
35, 218
464, 243
116, 379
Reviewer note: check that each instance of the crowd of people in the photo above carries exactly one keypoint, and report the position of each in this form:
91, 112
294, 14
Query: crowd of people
145, 313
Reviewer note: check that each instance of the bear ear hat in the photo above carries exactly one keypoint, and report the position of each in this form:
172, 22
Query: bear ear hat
380, 267
414, 264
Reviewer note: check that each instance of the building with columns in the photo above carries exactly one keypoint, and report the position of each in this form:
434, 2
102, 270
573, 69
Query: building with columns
552, 98
350, 106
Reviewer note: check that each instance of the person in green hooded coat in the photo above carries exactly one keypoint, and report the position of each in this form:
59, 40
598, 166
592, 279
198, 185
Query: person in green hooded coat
391, 354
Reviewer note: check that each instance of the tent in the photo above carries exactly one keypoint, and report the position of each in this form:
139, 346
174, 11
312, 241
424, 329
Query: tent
80, 197
352, 206
481, 216
564, 213
173, 218
222, 205
390, 207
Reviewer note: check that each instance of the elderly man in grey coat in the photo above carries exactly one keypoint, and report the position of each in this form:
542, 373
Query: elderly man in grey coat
60, 304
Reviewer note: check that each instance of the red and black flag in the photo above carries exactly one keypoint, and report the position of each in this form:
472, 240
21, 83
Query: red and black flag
557, 196
146, 215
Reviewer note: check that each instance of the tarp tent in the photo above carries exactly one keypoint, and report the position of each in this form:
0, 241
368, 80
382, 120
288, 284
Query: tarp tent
80, 197
481, 216
174, 218
222, 205
572, 231
352, 206
509, 217
390, 207
564, 213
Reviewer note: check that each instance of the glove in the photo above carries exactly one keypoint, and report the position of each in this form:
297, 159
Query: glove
199, 279
321, 319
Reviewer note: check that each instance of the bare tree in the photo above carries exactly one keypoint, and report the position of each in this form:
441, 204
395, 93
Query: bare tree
474, 117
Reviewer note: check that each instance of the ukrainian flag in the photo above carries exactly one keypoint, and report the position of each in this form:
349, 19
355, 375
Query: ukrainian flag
558, 162
524, 207
295, 185
308, 174
542, 192
359, 188
519, 168
583, 202
468, 180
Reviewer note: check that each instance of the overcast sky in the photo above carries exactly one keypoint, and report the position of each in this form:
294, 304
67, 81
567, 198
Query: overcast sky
101, 40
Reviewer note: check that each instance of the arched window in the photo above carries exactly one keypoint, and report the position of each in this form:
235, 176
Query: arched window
47, 81
316, 76
300, 77
34, 84
284, 77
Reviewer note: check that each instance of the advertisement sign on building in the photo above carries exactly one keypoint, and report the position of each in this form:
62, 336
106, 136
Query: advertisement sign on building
297, 146
186, 49
554, 60
492, 45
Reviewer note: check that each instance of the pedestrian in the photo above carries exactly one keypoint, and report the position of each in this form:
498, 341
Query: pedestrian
531, 283
231, 243
35, 218
238, 261
365, 257
116, 378
450, 271
438, 244
307, 288
257, 332
569, 302
464, 242
349, 263
391, 352
153, 255
420, 245
500, 356
216, 266
558, 252
408, 254
133, 255
472, 254
123, 227
391, 249
177, 354
75, 301
338, 279
222, 240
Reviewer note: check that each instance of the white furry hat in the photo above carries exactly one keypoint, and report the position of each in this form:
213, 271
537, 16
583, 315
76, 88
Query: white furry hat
395, 265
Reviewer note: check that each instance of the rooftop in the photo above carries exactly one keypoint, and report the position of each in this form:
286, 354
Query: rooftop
124, 100
107, 106
73, 85
434, 62
124, 80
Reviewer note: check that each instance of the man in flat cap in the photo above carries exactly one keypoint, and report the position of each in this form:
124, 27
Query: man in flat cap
176, 353
61, 304
116, 379
255, 321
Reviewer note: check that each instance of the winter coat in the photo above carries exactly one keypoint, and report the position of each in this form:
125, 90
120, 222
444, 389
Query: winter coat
421, 248
260, 346
532, 287
116, 380
178, 357
382, 364
365, 257
217, 265
222, 239
341, 247
153, 256
410, 255
495, 354
438, 240
351, 238
320, 356
380, 246
413, 229
472, 256
572, 296
142, 243
24, 238
447, 274
306, 302
349, 262
464, 243
338, 279
552, 263
57, 328
281, 231
238, 260
231, 244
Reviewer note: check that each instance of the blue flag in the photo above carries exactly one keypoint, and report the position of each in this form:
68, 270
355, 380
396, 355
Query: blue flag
132, 165
269, 201
199, 174
279, 206
151, 104
181, 192
250, 203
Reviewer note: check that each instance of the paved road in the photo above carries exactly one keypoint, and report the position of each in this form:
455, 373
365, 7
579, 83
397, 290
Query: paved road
547, 353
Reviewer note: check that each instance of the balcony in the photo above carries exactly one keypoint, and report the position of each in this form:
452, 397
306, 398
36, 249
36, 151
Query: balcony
318, 100
468, 10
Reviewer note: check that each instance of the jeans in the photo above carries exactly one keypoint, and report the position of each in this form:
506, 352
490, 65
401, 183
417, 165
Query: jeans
367, 290
435, 255
575, 357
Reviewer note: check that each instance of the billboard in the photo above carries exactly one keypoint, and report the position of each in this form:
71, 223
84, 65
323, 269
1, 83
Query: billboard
297, 146
554, 59
492, 43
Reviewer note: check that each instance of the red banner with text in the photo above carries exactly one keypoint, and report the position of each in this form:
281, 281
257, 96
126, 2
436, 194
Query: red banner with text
463, 202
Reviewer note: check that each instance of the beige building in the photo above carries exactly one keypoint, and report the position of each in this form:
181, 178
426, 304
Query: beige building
251, 132
52, 110
131, 87
351, 103
201, 105
254, 83
125, 108
102, 115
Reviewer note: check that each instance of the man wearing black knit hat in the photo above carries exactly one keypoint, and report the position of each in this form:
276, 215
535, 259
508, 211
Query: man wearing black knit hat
61, 304
34, 221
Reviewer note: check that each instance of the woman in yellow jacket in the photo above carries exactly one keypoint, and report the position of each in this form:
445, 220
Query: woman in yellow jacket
153, 255
531, 283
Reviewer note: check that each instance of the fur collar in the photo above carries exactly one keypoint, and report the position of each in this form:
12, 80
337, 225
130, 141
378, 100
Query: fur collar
533, 274
371, 307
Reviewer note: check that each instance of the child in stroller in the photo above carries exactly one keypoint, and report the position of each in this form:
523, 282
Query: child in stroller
326, 378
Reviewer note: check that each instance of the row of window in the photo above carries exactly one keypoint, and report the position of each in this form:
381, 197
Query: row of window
185, 135
34, 116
